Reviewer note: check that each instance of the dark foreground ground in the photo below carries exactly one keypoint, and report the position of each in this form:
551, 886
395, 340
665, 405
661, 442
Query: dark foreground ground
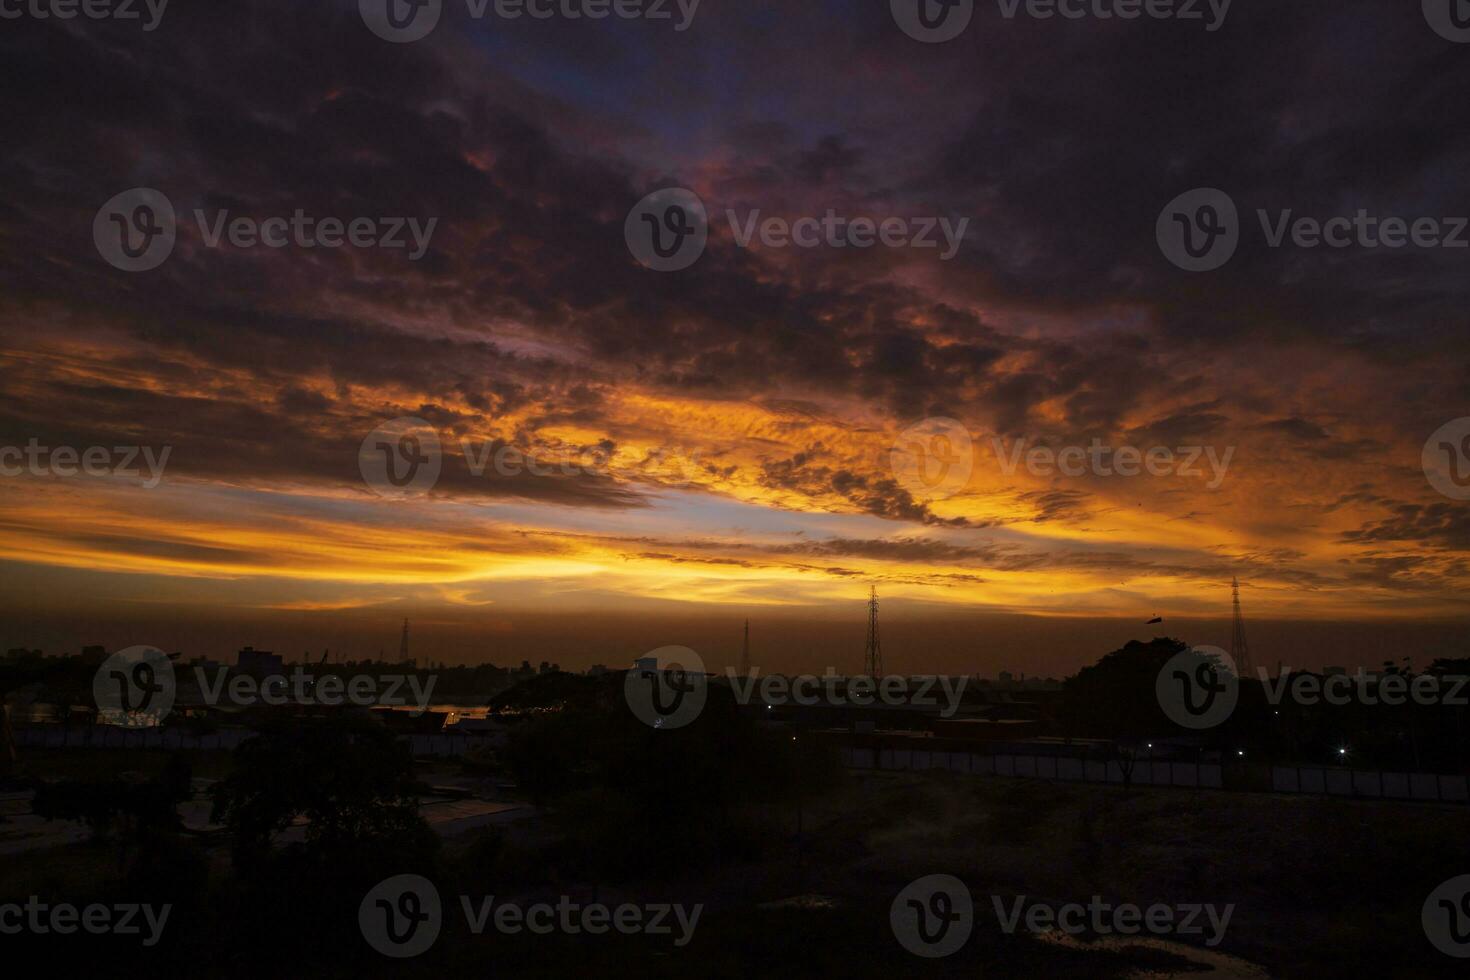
1320, 888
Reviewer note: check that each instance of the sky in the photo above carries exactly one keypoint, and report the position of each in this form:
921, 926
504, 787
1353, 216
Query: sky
772, 430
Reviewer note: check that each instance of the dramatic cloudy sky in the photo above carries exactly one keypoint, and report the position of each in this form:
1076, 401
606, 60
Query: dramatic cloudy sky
738, 417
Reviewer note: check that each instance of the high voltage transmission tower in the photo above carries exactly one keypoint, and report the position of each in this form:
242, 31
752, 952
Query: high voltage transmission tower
1240, 651
873, 658
745, 652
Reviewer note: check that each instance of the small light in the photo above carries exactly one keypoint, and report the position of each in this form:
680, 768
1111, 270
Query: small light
1240, 751
1342, 751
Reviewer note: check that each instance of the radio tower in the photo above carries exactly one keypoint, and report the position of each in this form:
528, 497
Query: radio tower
403, 644
1240, 652
745, 652
874, 656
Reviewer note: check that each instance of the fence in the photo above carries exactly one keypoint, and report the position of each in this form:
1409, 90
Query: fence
109, 737
1145, 772
1425, 786
1358, 783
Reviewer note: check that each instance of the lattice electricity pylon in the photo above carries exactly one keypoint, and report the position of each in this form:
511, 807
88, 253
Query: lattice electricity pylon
873, 657
1240, 651
745, 652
